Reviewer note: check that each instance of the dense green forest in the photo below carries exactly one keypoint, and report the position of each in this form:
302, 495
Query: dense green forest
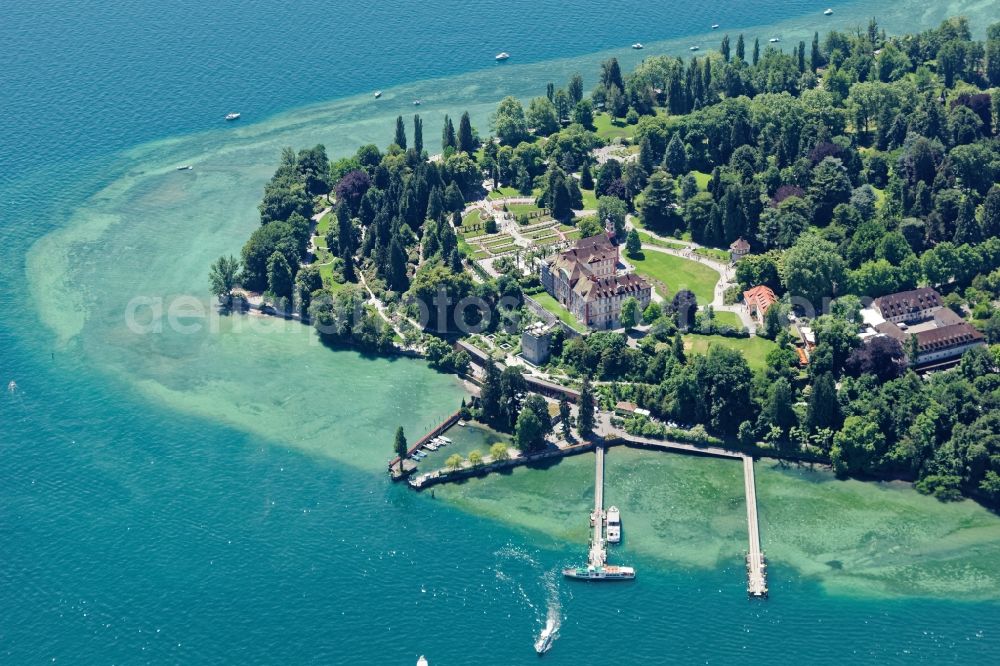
858, 165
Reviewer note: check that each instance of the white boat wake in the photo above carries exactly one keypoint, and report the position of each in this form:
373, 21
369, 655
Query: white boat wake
553, 616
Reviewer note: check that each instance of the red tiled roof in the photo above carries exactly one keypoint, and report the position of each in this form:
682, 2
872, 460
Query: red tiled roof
759, 298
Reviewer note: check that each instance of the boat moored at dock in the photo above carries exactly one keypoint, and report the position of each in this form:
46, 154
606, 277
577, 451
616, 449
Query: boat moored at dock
614, 525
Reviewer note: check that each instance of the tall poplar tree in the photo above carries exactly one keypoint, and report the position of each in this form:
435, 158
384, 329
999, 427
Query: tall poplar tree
400, 139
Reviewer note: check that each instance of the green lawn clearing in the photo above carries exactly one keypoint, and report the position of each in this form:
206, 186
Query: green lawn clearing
754, 349
674, 273
546, 301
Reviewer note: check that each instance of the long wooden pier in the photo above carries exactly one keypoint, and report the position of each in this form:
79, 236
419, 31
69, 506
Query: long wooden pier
756, 566
598, 548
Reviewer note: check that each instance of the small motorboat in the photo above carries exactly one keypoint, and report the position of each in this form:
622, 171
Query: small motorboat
445, 439
186, 167
545, 638
637, 46
715, 26
12, 387
416, 102
694, 48
828, 12
503, 55
461, 423
232, 116
422, 661
378, 93
774, 40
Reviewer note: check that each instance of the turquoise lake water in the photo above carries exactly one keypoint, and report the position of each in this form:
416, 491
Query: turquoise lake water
217, 495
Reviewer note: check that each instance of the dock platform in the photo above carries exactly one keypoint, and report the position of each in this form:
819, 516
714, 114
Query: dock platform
598, 548
756, 564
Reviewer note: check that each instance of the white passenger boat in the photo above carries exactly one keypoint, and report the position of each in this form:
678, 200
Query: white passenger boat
614, 525
607, 572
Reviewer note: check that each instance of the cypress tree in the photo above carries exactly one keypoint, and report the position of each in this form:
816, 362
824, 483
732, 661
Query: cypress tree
756, 51
779, 410
802, 56
400, 139
823, 410
418, 134
967, 229
724, 48
550, 91
397, 265
740, 48
993, 56
466, 141
991, 213
399, 446
585, 421
575, 88
558, 199
816, 60
675, 160
490, 395
447, 134
435, 204
347, 256
280, 277
586, 178
677, 348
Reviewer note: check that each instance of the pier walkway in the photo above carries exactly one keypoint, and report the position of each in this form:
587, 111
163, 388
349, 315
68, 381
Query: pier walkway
756, 566
598, 549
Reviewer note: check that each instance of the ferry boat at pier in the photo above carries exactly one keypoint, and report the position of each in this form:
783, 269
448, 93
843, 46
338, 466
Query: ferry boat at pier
606, 572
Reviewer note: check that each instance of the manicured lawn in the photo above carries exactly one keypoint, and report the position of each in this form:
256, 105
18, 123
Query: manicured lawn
524, 209
606, 128
471, 233
324, 223
675, 273
589, 199
472, 217
503, 192
546, 301
728, 319
754, 349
